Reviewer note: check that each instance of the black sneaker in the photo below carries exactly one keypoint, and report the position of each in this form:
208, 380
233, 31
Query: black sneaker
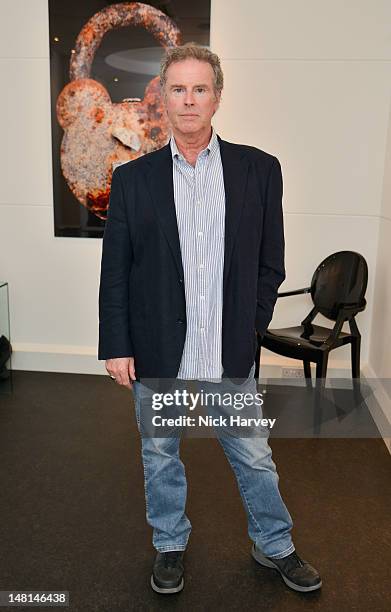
168, 570
296, 573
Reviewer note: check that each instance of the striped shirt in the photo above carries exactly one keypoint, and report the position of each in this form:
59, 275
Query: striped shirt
200, 210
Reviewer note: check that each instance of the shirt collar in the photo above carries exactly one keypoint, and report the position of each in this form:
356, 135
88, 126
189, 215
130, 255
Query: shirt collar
210, 148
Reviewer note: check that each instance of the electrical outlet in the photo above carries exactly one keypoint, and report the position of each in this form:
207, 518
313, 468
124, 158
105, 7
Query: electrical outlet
292, 373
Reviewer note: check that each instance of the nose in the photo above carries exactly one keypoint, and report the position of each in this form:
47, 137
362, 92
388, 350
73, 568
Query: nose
189, 98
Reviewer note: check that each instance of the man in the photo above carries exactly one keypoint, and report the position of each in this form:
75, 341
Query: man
193, 255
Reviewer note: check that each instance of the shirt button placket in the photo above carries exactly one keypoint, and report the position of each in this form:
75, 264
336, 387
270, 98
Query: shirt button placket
200, 250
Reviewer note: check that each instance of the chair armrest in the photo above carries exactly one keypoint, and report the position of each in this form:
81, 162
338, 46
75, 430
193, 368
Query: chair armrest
294, 292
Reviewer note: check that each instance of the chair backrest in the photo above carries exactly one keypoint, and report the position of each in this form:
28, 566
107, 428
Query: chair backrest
341, 278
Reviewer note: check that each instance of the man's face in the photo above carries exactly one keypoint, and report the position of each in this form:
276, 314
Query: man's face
189, 96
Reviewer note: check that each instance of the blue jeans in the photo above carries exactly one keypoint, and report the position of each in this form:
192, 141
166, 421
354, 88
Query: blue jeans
269, 522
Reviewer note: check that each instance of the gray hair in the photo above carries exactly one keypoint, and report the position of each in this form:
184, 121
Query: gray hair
192, 50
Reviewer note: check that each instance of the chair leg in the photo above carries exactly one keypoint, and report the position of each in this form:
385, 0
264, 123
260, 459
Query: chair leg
321, 368
355, 351
307, 374
307, 369
320, 384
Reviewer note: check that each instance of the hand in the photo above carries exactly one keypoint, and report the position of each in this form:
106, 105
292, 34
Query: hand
122, 369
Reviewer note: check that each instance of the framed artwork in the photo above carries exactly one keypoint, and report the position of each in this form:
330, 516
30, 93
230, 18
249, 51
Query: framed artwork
106, 107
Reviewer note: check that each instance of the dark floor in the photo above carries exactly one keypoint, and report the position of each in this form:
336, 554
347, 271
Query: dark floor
72, 510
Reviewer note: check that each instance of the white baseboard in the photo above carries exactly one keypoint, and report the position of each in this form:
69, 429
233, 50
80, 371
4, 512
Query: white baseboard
56, 358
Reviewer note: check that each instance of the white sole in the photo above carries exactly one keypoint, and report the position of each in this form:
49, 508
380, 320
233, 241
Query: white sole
262, 560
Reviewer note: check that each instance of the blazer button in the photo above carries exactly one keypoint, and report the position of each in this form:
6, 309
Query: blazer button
180, 321
181, 280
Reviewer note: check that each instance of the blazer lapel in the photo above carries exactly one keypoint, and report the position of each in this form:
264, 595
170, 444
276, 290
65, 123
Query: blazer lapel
160, 184
235, 171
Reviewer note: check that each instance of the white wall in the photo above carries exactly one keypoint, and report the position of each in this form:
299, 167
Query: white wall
307, 81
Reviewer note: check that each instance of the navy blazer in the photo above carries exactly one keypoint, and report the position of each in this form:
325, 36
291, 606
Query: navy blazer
142, 307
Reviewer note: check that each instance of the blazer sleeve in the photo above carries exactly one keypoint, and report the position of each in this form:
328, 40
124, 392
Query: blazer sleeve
114, 332
271, 267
